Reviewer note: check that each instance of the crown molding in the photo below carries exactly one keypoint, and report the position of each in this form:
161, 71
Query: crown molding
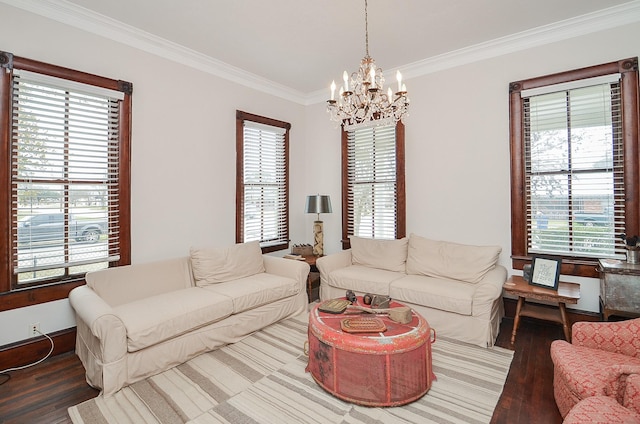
87, 20
601, 20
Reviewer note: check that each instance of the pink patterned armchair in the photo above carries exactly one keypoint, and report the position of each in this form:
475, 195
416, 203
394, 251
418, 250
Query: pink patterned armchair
603, 360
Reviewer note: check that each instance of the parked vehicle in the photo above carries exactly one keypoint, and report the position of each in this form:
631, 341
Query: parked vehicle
50, 227
591, 219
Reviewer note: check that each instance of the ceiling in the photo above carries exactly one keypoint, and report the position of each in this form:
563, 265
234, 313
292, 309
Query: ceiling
301, 45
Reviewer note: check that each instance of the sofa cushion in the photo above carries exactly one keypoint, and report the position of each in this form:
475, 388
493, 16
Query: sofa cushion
256, 290
363, 279
383, 254
450, 260
155, 319
216, 265
432, 292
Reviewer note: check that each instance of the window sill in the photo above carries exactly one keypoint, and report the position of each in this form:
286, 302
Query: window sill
37, 295
579, 267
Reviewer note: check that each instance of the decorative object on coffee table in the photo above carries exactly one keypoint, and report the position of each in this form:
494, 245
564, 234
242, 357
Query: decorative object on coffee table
387, 368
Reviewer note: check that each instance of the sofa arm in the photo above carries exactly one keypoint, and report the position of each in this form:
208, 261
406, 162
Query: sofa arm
101, 320
291, 268
329, 263
631, 398
488, 290
618, 337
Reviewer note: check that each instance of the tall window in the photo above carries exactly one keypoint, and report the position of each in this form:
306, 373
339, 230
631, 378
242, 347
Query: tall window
577, 164
262, 195
67, 147
373, 195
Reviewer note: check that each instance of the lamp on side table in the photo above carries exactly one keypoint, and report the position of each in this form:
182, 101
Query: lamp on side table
318, 204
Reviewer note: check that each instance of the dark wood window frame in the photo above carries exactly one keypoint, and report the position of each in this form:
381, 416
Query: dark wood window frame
628, 68
241, 117
401, 213
12, 299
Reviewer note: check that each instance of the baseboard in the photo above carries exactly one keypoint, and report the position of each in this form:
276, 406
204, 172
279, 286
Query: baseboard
574, 315
29, 351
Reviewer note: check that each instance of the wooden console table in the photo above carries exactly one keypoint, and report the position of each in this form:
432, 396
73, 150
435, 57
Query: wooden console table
567, 293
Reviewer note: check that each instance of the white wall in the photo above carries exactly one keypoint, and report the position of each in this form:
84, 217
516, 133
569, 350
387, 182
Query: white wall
183, 159
457, 145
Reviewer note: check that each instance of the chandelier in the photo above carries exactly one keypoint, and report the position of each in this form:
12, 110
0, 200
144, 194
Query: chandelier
362, 99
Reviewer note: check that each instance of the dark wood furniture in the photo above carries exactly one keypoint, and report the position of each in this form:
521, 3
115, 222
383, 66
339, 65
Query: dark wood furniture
619, 288
566, 293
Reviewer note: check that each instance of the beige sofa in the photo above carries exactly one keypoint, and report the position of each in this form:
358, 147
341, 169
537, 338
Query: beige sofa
456, 287
138, 320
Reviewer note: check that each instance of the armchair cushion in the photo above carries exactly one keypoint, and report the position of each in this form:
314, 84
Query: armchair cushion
618, 337
601, 409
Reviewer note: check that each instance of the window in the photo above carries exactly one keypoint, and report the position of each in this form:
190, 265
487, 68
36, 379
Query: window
66, 149
373, 196
262, 188
574, 165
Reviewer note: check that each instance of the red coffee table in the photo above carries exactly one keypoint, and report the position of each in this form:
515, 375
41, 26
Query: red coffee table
374, 369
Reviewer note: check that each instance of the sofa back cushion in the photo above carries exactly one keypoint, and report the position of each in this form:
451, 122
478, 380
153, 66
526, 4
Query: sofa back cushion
383, 254
124, 284
450, 260
217, 265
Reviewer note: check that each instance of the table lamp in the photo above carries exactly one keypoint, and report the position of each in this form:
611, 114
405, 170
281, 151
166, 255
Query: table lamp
318, 204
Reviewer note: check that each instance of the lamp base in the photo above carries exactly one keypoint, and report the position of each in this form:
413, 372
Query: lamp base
318, 239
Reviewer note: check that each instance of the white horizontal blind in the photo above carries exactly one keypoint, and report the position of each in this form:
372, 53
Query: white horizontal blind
265, 186
372, 186
64, 171
574, 171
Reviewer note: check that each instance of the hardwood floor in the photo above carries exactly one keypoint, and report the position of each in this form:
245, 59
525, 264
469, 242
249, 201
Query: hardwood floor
42, 394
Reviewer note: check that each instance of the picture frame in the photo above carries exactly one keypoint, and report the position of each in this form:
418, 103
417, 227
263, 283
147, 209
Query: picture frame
545, 271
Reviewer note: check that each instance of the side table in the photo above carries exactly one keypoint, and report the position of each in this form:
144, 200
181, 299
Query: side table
313, 289
619, 288
566, 293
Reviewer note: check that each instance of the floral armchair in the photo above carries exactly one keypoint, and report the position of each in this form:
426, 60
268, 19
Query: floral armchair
602, 362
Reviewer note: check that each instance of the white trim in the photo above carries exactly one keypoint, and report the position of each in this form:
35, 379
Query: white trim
87, 20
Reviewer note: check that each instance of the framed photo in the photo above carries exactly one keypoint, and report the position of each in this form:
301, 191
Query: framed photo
545, 272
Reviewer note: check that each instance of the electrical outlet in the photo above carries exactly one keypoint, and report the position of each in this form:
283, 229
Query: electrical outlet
34, 329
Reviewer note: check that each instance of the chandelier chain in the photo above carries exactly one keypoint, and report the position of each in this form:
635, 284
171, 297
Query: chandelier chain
366, 29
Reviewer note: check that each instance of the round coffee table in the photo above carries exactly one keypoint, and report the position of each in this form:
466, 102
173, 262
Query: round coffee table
389, 368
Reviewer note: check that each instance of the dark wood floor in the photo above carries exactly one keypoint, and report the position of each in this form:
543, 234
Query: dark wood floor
42, 394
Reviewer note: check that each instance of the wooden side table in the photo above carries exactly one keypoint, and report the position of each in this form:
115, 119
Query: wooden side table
313, 291
567, 293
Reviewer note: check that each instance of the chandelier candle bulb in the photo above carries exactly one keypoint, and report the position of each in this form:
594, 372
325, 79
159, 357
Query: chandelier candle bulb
399, 78
333, 90
345, 77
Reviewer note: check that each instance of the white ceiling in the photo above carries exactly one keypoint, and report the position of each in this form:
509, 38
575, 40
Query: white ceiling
301, 45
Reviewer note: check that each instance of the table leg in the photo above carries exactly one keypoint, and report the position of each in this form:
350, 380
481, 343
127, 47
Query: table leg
565, 321
516, 321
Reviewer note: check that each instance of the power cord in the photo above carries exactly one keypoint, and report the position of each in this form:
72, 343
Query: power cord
7, 377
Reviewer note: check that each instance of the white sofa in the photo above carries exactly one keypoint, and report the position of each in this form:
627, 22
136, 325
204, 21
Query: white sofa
456, 287
138, 320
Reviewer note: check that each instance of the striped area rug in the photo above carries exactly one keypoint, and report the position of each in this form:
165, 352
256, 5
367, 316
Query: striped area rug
262, 380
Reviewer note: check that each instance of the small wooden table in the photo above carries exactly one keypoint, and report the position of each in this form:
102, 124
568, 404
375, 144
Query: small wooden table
567, 293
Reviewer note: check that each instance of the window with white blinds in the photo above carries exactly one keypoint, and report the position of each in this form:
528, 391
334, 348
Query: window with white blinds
64, 176
574, 169
372, 186
263, 185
